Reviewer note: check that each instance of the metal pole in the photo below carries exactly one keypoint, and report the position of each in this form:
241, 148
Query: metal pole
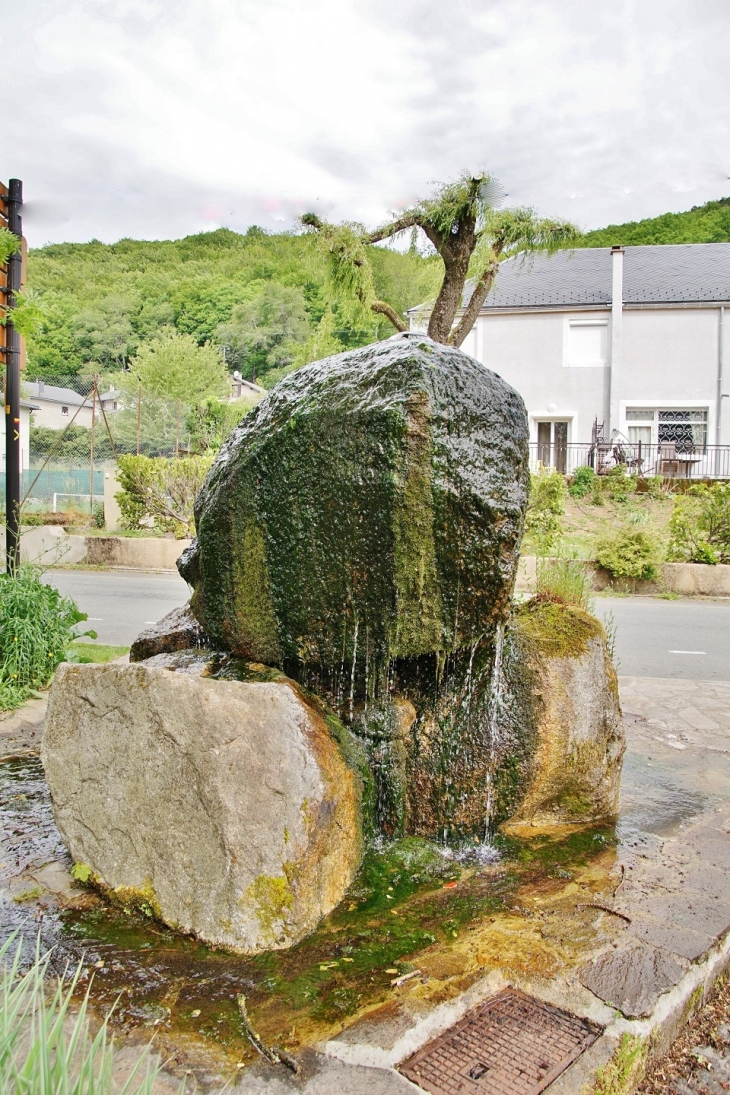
139, 415
14, 202
718, 407
91, 453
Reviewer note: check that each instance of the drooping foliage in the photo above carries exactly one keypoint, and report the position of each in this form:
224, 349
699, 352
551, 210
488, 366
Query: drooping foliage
36, 626
468, 232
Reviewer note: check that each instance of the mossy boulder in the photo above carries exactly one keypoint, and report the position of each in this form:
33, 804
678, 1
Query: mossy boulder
365, 516
227, 808
564, 686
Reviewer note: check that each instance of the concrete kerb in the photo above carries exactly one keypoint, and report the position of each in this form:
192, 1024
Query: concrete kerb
686, 579
52, 546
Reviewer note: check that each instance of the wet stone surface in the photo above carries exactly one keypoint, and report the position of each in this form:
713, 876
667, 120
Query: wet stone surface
536, 913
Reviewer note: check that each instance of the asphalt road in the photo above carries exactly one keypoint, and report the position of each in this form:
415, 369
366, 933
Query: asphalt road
121, 603
654, 638
687, 639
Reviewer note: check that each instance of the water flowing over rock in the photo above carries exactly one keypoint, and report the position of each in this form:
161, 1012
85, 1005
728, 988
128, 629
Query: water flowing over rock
365, 516
223, 807
359, 532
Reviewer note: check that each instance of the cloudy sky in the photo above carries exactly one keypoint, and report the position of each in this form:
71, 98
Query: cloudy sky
158, 118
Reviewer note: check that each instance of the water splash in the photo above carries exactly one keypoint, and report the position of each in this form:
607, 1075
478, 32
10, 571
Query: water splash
495, 711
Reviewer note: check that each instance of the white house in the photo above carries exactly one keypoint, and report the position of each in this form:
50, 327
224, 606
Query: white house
55, 407
26, 410
632, 338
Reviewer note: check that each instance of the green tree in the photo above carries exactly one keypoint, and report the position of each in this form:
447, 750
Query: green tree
267, 332
104, 334
469, 233
161, 490
174, 366
209, 424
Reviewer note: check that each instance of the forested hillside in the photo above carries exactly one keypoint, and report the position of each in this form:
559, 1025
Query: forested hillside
264, 297
708, 223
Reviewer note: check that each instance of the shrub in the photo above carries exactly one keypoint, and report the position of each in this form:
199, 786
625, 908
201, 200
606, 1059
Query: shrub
629, 552
161, 492
700, 525
543, 522
36, 626
582, 482
47, 1049
565, 580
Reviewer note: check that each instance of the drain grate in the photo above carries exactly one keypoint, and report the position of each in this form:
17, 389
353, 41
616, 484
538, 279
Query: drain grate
511, 1045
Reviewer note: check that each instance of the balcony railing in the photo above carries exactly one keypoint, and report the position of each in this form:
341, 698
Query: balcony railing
666, 459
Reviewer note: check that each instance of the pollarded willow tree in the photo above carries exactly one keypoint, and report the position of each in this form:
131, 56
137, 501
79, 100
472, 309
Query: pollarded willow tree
470, 233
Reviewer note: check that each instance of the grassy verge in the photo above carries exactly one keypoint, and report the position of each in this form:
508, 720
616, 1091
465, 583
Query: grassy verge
94, 653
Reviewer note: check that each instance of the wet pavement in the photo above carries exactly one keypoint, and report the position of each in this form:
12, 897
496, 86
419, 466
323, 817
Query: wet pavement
616, 926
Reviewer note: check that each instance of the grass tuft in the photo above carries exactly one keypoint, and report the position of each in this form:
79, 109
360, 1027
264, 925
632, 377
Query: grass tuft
45, 1049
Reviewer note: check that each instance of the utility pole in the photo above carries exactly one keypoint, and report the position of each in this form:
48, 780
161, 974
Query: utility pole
13, 201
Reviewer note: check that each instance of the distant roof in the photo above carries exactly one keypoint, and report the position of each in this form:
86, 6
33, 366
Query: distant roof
40, 390
656, 274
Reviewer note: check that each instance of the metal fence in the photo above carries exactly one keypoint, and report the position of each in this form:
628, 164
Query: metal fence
668, 460
78, 427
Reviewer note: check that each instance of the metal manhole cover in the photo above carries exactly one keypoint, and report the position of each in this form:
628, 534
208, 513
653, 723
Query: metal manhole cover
511, 1045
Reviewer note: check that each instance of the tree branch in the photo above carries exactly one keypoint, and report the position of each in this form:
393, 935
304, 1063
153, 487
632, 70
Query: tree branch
385, 310
474, 306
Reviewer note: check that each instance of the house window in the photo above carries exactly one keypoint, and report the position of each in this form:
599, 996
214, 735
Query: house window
552, 445
688, 429
64, 410
684, 428
114, 405
587, 343
640, 425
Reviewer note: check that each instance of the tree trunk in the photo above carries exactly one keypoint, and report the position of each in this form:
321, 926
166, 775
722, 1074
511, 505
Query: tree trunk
456, 251
474, 306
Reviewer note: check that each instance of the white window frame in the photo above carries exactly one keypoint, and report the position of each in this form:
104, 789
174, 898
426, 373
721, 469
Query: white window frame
584, 321
657, 405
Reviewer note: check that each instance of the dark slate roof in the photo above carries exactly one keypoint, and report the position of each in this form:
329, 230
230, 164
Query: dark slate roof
661, 274
52, 394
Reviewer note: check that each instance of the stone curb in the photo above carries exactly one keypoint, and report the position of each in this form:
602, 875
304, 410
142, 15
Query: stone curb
688, 579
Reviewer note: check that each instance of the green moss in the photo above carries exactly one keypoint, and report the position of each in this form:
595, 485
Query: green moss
139, 898
622, 1074
355, 756
255, 619
272, 899
419, 623
557, 630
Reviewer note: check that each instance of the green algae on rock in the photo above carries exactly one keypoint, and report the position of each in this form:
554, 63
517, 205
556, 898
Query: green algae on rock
368, 512
570, 698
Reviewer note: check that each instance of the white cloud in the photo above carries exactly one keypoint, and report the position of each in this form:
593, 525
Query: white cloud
157, 118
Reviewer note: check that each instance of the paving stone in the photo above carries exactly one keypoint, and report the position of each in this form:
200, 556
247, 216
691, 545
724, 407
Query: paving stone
679, 941
632, 978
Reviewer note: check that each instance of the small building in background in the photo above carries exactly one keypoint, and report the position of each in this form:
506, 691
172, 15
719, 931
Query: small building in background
242, 389
56, 407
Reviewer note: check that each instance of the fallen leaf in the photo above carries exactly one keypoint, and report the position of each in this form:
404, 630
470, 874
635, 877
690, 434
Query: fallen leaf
195, 1014
391, 971
348, 959
449, 885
